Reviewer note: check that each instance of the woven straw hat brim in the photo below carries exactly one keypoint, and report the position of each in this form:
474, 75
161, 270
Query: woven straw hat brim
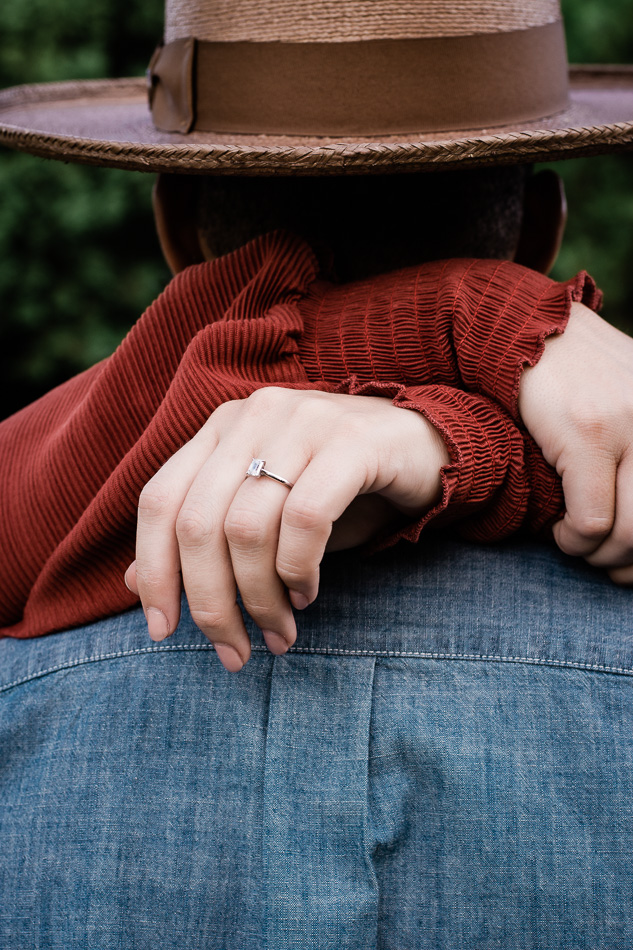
107, 123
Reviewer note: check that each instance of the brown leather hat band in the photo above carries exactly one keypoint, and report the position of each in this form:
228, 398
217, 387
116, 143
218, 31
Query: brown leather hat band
360, 88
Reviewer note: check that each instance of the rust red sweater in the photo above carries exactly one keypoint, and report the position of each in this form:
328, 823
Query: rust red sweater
446, 339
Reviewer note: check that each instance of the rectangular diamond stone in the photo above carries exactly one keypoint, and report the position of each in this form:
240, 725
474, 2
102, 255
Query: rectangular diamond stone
255, 468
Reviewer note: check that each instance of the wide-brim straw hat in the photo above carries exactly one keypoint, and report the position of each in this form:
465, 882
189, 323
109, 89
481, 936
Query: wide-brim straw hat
331, 86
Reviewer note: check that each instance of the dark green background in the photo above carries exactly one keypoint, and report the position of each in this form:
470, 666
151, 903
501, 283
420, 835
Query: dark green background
78, 257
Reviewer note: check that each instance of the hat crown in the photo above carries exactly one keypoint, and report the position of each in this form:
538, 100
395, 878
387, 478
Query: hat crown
331, 21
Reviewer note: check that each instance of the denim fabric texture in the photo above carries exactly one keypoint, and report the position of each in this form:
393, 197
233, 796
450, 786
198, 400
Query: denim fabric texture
443, 762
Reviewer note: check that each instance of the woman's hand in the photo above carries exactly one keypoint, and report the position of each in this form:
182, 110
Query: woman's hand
354, 462
577, 404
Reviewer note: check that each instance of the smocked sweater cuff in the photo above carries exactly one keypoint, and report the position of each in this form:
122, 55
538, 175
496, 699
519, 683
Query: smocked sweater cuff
502, 314
496, 481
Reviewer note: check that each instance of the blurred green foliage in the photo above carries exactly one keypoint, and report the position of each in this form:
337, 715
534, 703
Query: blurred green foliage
78, 257
599, 235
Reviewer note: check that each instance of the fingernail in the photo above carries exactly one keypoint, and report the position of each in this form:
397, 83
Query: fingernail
229, 658
157, 624
275, 642
298, 600
126, 583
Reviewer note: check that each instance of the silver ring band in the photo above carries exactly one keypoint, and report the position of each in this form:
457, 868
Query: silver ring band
256, 469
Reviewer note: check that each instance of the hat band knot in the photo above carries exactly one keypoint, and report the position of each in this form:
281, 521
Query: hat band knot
372, 87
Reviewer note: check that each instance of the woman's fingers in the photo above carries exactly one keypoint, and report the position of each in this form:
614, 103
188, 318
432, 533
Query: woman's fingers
205, 558
362, 520
622, 576
130, 579
252, 531
277, 535
616, 552
589, 484
599, 520
156, 572
326, 487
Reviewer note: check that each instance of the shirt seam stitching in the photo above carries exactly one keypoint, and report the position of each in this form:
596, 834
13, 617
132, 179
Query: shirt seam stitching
324, 651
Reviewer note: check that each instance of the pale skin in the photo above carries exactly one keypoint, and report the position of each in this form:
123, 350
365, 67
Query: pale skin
358, 463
